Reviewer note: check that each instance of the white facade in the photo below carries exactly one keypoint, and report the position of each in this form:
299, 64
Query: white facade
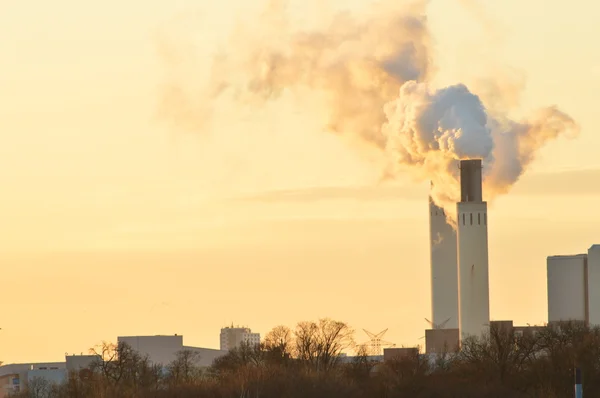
77, 362
162, 350
444, 270
206, 356
232, 337
49, 376
14, 377
567, 288
593, 268
473, 275
159, 349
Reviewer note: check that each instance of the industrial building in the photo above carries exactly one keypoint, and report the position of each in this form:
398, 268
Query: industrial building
460, 305
472, 252
389, 354
593, 279
567, 288
574, 287
15, 377
162, 350
232, 337
443, 341
444, 273
460, 302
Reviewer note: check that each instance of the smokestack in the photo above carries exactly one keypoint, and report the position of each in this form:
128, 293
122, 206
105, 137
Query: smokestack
444, 272
470, 181
472, 253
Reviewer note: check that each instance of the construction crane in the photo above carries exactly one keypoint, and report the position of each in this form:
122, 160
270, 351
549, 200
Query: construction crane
376, 343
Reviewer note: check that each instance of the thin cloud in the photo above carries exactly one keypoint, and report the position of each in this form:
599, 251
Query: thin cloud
364, 193
563, 183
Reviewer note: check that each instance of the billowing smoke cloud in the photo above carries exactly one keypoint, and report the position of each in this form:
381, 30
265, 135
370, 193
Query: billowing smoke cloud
430, 131
373, 73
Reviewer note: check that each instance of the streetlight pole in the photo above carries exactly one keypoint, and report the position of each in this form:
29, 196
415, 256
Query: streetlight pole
578, 387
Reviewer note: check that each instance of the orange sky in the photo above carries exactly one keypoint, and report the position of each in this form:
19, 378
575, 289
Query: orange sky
115, 223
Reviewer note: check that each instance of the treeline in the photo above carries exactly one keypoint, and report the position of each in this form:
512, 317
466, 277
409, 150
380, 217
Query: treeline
306, 362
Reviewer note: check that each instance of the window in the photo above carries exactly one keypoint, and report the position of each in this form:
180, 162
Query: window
479, 218
471, 217
463, 218
518, 333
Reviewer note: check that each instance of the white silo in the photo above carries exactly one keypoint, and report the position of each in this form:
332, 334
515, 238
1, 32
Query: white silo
568, 288
444, 273
472, 237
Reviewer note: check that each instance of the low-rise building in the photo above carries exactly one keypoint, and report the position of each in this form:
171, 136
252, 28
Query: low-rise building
443, 341
162, 350
16, 377
574, 288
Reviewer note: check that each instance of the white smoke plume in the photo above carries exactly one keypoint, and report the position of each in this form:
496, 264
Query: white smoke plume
373, 71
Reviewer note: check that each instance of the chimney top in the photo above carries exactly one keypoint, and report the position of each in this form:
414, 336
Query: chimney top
470, 181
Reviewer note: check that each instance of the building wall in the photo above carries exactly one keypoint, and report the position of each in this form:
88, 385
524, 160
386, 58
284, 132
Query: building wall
518, 331
252, 338
13, 377
446, 341
343, 358
232, 337
567, 286
441, 341
24, 367
160, 349
593, 268
78, 362
206, 356
390, 354
444, 273
473, 274
9, 384
52, 376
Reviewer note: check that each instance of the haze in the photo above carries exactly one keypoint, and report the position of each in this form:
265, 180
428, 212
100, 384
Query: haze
117, 223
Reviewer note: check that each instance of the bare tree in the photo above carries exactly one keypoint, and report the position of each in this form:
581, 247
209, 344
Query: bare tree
279, 343
500, 357
38, 387
321, 344
124, 371
184, 369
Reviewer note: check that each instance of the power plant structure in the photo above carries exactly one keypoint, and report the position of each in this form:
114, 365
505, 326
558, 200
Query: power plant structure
444, 268
460, 293
472, 252
460, 304
574, 287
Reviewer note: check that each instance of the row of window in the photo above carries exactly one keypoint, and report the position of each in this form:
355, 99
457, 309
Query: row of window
479, 219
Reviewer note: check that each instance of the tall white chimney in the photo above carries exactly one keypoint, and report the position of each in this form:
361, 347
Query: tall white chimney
473, 275
444, 273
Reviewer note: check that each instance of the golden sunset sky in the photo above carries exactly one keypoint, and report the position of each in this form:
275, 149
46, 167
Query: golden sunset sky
114, 222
